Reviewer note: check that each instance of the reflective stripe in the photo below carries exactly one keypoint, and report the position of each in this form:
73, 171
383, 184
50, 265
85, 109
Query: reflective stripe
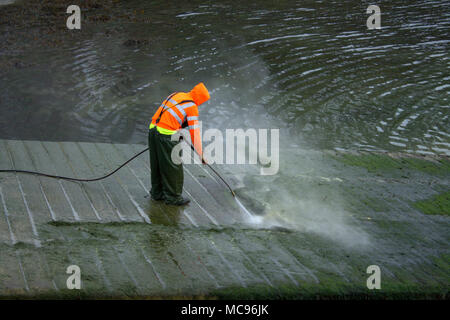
195, 126
162, 130
173, 102
179, 107
186, 105
192, 118
173, 113
181, 111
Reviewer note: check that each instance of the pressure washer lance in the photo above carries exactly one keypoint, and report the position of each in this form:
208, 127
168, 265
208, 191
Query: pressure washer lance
109, 174
212, 169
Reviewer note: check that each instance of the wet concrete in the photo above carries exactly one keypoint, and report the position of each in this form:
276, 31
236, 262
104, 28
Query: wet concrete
130, 246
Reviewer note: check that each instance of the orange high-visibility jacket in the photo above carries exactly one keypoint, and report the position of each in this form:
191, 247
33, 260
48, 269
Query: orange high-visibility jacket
180, 107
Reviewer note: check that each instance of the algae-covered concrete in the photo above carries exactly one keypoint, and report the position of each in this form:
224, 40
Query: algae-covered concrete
127, 245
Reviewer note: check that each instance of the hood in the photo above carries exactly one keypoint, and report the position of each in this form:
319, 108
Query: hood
199, 94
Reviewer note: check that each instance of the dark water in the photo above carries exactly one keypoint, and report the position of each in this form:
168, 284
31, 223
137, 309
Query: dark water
310, 68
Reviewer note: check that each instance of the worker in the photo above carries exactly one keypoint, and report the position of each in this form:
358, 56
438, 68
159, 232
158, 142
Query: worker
179, 110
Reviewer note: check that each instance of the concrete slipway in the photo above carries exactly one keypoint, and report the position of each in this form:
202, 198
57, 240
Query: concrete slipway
126, 245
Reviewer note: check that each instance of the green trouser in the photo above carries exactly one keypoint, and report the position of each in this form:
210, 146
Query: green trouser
167, 177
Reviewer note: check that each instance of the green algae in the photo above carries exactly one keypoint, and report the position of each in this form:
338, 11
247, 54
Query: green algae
358, 204
443, 262
340, 291
376, 163
437, 205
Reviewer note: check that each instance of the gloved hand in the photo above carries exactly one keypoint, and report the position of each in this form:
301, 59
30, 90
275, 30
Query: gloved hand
203, 161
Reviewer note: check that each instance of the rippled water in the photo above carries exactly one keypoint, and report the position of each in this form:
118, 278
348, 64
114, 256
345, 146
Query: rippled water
309, 67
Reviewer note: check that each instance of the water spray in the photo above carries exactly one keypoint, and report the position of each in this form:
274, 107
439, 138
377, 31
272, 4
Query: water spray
252, 218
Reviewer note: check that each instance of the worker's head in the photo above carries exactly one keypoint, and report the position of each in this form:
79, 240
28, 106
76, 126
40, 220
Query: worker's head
199, 94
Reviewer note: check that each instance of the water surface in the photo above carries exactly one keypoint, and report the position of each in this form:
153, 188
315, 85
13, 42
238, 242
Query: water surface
310, 68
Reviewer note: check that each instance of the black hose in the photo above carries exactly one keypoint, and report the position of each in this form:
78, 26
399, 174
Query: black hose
209, 166
75, 179
111, 173
231, 190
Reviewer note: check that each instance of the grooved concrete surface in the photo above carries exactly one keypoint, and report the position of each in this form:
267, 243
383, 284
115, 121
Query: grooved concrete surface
127, 245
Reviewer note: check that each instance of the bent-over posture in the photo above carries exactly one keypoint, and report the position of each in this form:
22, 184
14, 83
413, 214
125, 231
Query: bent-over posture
179, 110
